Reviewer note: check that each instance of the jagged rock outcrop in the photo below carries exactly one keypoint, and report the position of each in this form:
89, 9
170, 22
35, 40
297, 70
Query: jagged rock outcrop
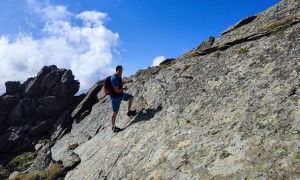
203, 46
229, 113
32, 110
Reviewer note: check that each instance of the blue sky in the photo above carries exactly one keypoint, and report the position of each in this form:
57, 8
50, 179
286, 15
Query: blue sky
92, 37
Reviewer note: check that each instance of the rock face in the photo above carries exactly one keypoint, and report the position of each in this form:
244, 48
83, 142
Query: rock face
230, 111
31, 111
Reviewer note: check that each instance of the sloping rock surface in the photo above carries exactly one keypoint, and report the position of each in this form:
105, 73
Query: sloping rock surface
230, 114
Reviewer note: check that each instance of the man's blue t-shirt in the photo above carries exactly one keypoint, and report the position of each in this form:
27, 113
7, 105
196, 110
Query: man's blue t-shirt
115, 81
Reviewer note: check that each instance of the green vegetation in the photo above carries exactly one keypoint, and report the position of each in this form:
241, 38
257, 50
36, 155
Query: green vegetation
216, 54
224, 154
55, 170
43, 141
73, 146
185, 67
279, 23
24, 160
243, 51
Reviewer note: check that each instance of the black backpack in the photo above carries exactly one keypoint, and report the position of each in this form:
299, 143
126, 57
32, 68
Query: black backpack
107, 85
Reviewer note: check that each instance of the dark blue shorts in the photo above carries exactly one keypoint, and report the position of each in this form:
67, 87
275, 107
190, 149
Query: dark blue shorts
116, 102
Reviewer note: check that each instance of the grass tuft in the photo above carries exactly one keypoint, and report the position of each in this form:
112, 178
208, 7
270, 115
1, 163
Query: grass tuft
279, 23
54, 171
72, 146
242, 51
185, 67
216, 54
24, 160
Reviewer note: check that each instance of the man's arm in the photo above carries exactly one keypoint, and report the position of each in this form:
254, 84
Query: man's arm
118, 90
129, 81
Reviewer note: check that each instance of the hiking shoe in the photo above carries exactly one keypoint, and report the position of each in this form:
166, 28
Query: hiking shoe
131, 113
116, 129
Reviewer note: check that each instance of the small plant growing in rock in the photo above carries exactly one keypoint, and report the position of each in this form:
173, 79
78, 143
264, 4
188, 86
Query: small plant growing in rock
72, 146
243, 51
224, 154
43, 141
281, 22
279, 31
54, 171
23, 161
185, 67
216, 54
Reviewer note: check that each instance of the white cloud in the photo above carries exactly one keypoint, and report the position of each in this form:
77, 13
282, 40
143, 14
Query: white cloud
92, 18
85, 49
55, 12
158, 60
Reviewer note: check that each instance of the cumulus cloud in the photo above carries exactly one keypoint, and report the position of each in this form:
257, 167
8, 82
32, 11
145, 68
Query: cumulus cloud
86, 48
158, 60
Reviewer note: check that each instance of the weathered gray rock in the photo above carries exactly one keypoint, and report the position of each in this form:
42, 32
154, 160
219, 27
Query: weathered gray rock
65, 90
15, 116
15, 141
42, 160
41, 127
167, 61
14, 174
241, 23
4, 173
229, 115
3, 113
200, 49
67, 77
31, 110
280, 11
64, 122
10, 100
70, 160
89, 100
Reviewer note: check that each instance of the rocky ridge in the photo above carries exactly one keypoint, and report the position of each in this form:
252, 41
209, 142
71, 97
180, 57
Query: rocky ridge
229, 109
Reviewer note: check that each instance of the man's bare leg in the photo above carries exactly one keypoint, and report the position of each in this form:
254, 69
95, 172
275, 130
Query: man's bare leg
113, 119
130, 103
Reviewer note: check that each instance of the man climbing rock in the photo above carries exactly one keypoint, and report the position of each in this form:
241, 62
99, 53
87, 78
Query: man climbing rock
117, 94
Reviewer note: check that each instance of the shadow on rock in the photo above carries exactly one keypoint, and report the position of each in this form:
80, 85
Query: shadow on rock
144, 115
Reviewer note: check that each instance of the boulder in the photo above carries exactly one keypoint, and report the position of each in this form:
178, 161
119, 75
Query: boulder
32, 108
241, 23
10, 101
65, 90
42, 127
167, 61
12, 87
70, 160
4, 173
50, 80
67, 77
42, 160
89, 100
15, 117
14, 142
200, 49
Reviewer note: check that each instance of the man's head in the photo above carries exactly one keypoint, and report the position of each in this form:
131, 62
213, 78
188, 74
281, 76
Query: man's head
119, 70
